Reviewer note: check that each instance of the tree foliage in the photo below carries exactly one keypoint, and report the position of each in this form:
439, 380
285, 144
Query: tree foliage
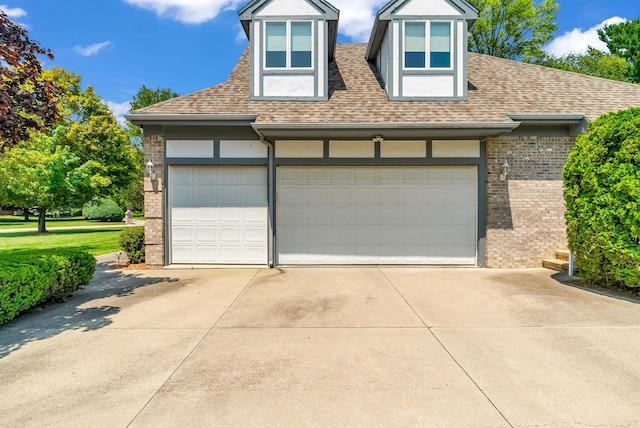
593, 63
143, 98
623, 40
513, 29
602, 194
27, 101
86, 156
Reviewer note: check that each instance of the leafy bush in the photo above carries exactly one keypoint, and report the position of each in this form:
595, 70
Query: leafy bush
132, 242
103, 210
602, 194
27, 280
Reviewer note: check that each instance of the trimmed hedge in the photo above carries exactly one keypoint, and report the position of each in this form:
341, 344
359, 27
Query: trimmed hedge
602, 195
132, 242
28, 280
103, 210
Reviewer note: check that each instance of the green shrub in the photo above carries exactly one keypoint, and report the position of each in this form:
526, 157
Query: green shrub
132, 242
27, 280
103, 210
602, 195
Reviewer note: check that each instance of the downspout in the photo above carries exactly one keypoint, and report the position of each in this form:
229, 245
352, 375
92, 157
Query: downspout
270, 197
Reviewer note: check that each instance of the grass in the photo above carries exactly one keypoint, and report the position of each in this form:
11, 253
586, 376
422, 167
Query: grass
96, 241
14, 222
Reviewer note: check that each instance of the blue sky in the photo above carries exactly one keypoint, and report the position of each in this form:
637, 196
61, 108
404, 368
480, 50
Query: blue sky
188, 45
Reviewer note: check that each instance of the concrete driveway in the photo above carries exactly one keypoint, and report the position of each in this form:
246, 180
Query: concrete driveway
324, 347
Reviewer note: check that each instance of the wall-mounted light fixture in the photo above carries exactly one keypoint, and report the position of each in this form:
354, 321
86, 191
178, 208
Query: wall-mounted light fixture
150, 171
504, 171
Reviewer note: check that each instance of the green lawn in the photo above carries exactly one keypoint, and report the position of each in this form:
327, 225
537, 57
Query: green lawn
96, 241
13, 222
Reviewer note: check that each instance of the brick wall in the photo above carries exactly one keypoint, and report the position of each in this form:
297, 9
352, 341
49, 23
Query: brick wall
154, 201
525, 213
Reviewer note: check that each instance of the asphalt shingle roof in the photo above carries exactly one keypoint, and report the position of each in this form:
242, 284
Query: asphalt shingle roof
503, 87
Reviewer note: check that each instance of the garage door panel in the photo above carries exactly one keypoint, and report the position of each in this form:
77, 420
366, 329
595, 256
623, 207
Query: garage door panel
255, 215
206, 252
206, 215
340, 175
340, 216
253, 235
385, 215
205, 234
316, 195
184, 233
229, 196
184, 194
230, 214
206, 195
364, 175
377, 215
339, 195
182, 253
231, 234
314, 214
218, 215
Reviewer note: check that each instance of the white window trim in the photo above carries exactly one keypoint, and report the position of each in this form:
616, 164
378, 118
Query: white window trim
427, 36
288, 46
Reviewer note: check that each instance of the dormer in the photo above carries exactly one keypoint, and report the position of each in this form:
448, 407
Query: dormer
292, 43
420, 48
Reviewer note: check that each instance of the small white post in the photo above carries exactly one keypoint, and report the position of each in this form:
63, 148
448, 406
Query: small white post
571, 264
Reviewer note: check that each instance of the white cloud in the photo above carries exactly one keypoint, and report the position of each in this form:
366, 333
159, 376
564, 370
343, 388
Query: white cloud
356, 17
577, 40
187, 11
13, 12
119, 110
91, 49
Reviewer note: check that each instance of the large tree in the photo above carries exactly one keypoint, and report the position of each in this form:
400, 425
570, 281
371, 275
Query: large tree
86, 156
27, 101
623, 40
513, 29
593, 63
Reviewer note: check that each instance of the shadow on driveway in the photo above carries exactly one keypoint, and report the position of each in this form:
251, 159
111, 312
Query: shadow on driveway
56, 318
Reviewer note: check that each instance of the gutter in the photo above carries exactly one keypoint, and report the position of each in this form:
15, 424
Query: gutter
577, 123
141, 119
385, 129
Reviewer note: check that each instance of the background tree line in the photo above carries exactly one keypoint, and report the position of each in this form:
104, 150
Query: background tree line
520, 29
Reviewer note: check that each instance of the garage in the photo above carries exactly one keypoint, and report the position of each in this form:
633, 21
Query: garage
362, 215
218, 215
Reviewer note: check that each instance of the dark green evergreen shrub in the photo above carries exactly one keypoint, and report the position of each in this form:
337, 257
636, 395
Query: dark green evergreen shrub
132, 242
27, 280
103, 210
602, 195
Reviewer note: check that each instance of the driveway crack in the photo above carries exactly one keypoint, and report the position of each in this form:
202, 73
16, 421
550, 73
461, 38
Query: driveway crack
445, 348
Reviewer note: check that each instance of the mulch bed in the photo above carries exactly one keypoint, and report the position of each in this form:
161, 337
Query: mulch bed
125, 265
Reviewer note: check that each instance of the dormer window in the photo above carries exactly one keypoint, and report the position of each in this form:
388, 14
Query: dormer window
292, 43
288, 45
421, 38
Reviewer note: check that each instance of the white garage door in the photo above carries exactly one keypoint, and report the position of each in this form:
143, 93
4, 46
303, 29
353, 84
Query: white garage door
377, 215
218, 215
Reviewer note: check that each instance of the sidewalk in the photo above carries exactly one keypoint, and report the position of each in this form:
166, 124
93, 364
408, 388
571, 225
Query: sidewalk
35, 229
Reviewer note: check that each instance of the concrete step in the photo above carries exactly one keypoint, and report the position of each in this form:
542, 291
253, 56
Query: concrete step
562, 255
556, 264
